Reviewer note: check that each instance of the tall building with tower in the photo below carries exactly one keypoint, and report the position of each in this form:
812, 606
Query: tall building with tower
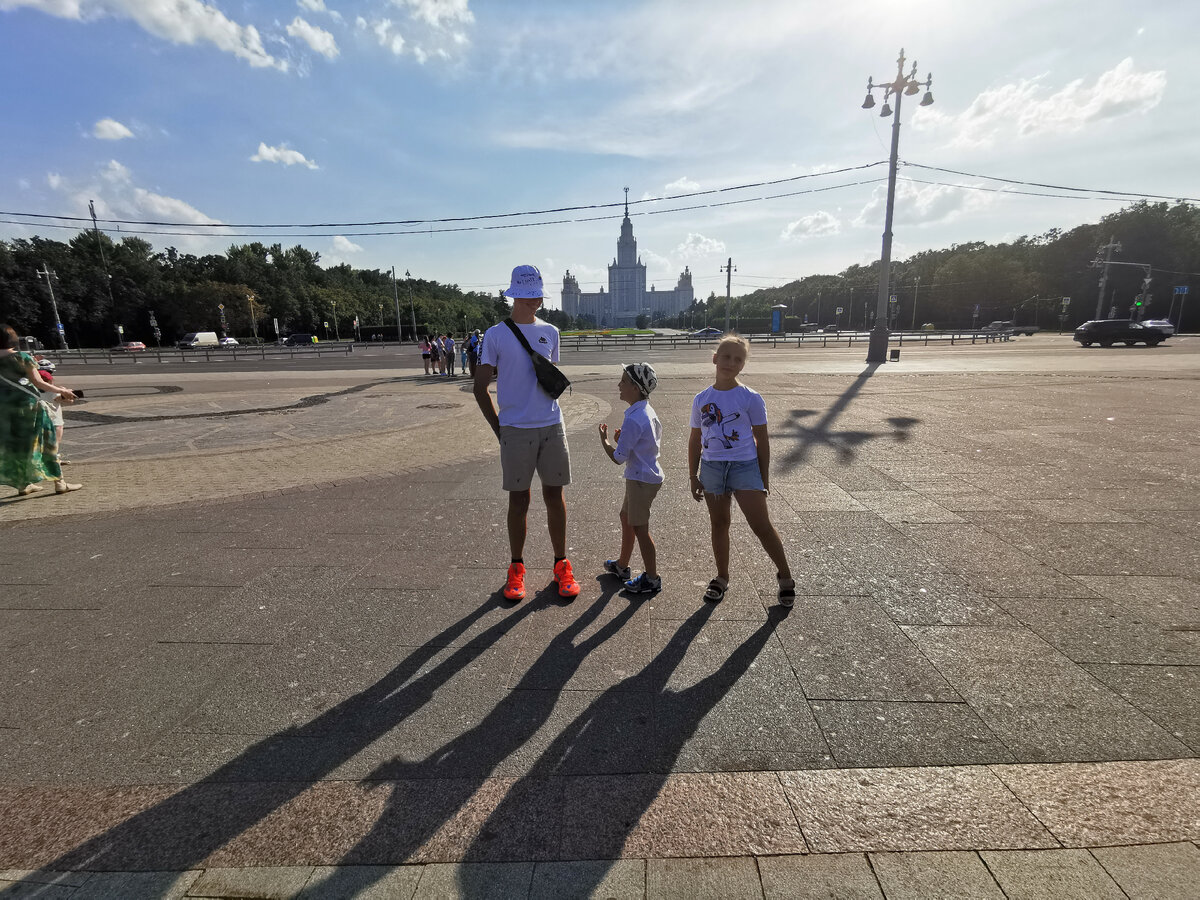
627, 296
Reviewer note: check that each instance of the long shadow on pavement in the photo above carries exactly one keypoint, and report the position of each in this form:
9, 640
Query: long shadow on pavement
183, 830
597, 827
845, 442
430, 793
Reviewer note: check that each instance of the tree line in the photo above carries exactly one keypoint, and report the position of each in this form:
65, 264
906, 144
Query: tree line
1026, 280
100, 284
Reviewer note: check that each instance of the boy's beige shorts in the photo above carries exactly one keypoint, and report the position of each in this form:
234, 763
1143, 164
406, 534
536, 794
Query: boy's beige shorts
638, 497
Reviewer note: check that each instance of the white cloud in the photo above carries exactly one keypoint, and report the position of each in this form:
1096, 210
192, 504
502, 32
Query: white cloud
1025, 110
818, 224
312, 5
318, 38
393, 40
110, 130
117, 196
177, 21
282, 155
682, 185
697, 246
438, 13
345, 245
923, 204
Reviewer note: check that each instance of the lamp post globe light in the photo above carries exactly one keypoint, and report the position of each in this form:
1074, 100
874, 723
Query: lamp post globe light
904, 85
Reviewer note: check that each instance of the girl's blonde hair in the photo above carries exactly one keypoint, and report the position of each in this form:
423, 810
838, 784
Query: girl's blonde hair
732, 338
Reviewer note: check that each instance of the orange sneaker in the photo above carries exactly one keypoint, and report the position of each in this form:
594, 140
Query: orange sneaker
567, 585
514, 585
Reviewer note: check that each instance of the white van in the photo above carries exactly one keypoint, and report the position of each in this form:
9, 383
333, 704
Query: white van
198, 339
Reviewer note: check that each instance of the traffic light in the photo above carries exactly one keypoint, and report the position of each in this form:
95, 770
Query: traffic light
1138, 301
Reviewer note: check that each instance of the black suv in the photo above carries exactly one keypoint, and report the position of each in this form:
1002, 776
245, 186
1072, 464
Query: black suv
1107, 332
298, 340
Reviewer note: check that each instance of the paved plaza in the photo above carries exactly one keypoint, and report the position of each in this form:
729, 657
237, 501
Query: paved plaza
263, 652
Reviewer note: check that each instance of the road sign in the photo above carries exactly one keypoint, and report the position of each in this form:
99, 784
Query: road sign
1181, 288
220, 306
1066, 303
61, 330
893, 299
839, 310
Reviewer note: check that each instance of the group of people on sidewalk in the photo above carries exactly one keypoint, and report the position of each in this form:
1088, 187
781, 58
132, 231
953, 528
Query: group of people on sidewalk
728, 451
30, 420
437, 353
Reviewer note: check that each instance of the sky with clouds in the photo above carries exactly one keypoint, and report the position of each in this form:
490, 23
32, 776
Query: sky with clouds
486, 134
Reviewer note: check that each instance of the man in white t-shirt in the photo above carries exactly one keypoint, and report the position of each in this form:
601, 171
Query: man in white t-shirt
529, 426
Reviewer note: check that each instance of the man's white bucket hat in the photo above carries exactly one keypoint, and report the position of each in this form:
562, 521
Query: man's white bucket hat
526, 284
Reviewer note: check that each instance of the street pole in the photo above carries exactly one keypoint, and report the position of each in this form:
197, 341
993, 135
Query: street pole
396, 297
48, 273
916, 290
728, 270
103, 260
1108, 248
904, 84
412, 306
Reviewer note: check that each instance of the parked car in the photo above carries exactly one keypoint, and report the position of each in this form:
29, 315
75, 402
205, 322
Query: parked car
831, 329
129, 347
709, 332
299, 340
1163, 325
1107, 332
229, 342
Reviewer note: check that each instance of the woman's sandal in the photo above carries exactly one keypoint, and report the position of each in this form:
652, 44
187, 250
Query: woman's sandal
787, 591
715, 592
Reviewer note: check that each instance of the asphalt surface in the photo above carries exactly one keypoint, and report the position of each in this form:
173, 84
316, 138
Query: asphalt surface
262, 652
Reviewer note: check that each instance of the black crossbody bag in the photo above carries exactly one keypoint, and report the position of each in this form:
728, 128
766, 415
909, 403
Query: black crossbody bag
549, 377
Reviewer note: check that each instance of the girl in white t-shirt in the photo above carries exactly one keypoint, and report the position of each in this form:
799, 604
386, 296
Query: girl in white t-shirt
729, 457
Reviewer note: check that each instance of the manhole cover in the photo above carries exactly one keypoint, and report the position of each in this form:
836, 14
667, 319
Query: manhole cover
439, 406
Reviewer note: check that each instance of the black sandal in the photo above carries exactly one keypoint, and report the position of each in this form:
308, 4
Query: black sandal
787, 595
715, 592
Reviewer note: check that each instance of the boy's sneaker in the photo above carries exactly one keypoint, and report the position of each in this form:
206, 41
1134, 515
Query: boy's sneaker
514, 585
644, 584
622, 572
567, 585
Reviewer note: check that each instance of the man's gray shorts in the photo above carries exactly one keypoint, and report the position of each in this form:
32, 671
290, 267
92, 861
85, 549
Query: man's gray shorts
526, 450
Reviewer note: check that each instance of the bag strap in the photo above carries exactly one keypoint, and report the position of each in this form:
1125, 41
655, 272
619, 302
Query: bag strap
520, 337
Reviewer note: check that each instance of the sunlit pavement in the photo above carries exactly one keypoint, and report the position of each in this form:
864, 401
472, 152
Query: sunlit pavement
261, 653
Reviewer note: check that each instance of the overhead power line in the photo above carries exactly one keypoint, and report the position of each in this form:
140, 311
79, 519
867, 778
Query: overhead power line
1055, 187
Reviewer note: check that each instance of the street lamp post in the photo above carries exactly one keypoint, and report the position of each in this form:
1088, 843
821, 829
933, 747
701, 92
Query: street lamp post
902, 86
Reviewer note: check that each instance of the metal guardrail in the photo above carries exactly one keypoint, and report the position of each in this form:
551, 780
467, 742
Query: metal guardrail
823, 339
221, 354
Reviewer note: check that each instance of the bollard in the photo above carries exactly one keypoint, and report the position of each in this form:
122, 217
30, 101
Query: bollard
894, 355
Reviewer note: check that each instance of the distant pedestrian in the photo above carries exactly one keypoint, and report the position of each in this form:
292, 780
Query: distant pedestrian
729, 457
448, 349
473, 343
639, 442
426, 353
529, 427
462, 358
435, 356
28, 447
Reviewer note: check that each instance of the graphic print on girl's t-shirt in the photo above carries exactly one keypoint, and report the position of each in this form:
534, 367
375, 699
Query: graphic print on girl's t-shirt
716, 426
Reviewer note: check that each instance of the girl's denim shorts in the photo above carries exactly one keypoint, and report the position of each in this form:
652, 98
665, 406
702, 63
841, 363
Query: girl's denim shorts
727, 476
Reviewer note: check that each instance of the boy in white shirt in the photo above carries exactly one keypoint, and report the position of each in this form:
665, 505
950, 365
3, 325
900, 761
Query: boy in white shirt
639, 442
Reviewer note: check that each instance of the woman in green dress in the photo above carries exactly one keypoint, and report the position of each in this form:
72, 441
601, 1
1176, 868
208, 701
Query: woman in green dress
28, 447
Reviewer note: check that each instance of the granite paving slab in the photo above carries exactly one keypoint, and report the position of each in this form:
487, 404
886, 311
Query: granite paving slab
1104, 631
1034, 699
1169, 695
952, 808
842, 875
1050, 874
935, 875
1153, 872
703, 879
1108, 804
847, 648
621, 879
873, 733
